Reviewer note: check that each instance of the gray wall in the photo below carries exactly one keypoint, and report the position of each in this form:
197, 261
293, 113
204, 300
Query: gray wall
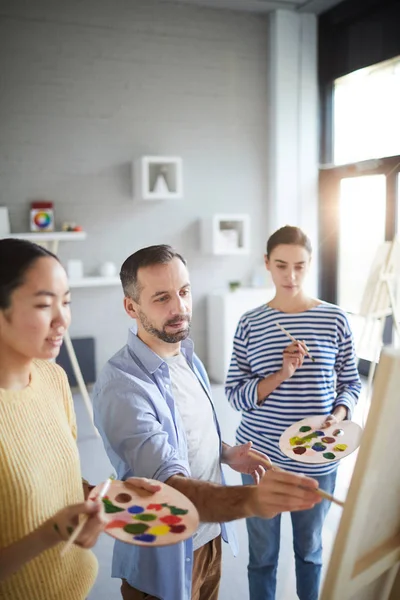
88, 86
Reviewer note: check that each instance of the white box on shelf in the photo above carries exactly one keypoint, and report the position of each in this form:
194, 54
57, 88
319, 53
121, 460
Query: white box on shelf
75, 268
158, 178
224, 310
225, 234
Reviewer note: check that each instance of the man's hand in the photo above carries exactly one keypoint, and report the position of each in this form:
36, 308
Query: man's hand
237, 457
280, 491
150, 485
339, 414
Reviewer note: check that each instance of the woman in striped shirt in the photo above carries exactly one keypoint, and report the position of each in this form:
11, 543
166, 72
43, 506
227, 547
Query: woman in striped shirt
274, 384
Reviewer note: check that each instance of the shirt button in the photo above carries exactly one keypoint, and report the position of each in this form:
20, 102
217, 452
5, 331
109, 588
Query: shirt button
188, 560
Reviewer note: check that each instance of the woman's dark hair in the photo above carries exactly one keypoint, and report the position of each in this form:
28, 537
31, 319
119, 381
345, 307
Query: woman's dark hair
146, 257
288, 235
16, 258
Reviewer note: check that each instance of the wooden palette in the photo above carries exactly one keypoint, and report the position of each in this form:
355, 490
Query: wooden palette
142, 518
306, 442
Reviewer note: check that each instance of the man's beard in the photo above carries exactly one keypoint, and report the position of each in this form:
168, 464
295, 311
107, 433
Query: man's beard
162, 334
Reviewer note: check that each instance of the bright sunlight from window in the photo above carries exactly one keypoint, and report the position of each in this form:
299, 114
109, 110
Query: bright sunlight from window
367, 113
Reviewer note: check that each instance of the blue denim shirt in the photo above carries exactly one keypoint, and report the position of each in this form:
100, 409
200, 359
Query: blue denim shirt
143, 435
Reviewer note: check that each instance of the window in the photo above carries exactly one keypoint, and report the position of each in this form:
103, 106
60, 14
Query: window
366, 114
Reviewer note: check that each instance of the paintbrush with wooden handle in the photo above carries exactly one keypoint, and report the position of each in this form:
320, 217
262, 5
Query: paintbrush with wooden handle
81, 525
294, 340
265, 462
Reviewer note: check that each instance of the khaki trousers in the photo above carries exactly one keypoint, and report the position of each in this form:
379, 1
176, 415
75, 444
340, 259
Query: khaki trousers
205, 579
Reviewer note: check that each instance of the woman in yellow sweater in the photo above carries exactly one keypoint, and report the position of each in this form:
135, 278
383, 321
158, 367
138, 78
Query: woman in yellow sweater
41, 491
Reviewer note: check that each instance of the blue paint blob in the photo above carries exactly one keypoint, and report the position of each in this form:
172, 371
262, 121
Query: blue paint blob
145, 537
135, 510
320, 433
318, 447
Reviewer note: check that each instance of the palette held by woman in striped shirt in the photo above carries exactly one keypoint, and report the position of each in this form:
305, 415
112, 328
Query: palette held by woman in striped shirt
309, 442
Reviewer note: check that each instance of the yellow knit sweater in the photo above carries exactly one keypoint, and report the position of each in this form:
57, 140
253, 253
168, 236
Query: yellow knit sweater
39, 475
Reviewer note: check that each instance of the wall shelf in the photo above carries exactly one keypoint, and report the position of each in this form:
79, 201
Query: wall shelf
86, 282
225, 234
49, 239
49, 236
54, 237
158, 178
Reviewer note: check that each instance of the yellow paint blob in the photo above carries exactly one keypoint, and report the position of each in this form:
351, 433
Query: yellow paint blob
296, 441
159, 530
340, 447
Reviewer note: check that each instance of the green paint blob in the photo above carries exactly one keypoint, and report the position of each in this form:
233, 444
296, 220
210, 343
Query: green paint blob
305, 428
136, 528
178, 511
309, 437
109, 507
146, 517
329, 455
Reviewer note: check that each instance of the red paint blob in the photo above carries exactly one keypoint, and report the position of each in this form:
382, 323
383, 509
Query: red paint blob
171, 520
116, 523
178, 528
299, 450
328, 440
154, 507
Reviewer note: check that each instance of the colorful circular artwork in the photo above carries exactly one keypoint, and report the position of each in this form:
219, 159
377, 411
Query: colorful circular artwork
138, 517
42, 219
306, 442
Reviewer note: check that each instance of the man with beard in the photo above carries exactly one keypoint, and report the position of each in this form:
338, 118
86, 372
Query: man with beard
153, 408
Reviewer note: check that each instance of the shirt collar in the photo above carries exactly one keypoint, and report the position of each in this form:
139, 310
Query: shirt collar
149, 359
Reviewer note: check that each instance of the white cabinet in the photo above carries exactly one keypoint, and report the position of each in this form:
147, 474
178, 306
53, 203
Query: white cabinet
224, 310
158, 178
225, 234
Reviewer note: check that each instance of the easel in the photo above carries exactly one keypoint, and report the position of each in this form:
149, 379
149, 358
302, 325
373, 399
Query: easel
379, 302
365, 561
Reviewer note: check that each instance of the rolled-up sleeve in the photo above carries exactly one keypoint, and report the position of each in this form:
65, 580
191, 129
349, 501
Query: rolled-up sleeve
133, 431
241, 386
348, 385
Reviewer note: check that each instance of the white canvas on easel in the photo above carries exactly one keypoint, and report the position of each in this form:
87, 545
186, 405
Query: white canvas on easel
365, 561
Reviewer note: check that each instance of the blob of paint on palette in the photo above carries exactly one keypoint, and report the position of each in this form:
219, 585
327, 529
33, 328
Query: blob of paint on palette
306, 442
301, 443
338, 432
136, 516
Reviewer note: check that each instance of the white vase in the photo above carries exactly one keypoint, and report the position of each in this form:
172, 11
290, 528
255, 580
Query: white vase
160, 186
108, 269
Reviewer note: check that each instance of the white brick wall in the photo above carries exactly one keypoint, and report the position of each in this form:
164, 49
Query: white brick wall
85, 87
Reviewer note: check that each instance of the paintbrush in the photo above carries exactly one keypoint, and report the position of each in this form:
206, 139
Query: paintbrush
294, 340
81, 525
265, 462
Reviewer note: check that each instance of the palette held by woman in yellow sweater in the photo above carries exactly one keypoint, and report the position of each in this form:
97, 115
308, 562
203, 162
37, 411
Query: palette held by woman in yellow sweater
142, 518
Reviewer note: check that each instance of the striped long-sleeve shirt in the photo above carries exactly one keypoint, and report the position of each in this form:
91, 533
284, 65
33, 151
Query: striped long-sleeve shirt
316, 388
